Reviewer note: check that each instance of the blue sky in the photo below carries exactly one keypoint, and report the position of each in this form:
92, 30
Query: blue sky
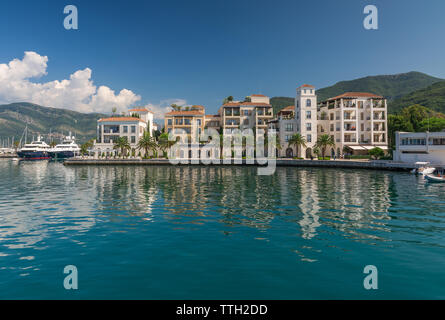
203, 51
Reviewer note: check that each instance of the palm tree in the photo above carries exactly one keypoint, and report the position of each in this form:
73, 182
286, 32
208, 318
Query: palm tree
146, 143
164, 144
114, 109
298, 141
175, 107
323, 142
122, 144
228, 99
52, 144
86, 146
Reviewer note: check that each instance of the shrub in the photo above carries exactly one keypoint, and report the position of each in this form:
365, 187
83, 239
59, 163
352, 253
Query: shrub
376, 153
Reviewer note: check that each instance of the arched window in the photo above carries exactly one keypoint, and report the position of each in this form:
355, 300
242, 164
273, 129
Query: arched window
308, 103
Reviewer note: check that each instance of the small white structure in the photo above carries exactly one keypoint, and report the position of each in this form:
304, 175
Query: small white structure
420, 146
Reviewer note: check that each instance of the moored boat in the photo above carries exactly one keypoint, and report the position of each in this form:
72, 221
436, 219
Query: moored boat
434, 178
36, 150
423, 168
67, 149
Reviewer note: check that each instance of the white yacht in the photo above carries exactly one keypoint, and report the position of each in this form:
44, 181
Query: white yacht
67, 149
423, 168
36, 150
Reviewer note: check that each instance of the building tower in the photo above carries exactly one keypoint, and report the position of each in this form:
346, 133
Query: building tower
306, 117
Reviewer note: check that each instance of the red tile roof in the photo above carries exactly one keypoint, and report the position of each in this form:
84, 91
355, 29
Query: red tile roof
307, 86
140, 110
185, 113
120, 119
238, 104
212, 115
258, 95
288, 109
356, 95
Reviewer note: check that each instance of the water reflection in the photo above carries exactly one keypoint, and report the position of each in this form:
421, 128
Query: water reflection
40, 199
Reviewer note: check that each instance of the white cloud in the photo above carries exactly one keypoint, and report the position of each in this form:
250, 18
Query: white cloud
163, 107
78, 93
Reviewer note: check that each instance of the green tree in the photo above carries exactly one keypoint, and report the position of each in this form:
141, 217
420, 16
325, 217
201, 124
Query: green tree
164, 144
397, 123
146, 143
323, 142
432, 124
175, 107
228, 99
114, 109
415, 114
316, 151
376, 153
86, 146
122, 144
298, 141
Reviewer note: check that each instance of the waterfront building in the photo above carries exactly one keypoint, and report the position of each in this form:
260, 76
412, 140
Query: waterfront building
420, 147
302, 119
253, 113
188, 123
131, 126
356, 120
213, 122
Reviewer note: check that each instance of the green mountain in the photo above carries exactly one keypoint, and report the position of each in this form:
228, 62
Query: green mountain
279, 103
15, 116
432, 97
392, 87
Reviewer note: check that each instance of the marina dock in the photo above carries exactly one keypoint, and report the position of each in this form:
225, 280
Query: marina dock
350, 164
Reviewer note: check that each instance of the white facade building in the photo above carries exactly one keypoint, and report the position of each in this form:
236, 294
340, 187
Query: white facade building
414, 147
302, 119
356, 121
306, 116
132, 127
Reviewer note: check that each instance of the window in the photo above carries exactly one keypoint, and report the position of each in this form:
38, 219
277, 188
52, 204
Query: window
289, 127
246, 112
362, 127
169, 122
286, 138
308, 126
362, 116
332, 127
308, 115
133, 139
308, 103
198, 122
309, 138
133, 129
331, 116
187, 122
125, 129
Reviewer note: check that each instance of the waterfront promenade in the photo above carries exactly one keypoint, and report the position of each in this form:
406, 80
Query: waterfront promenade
352, 164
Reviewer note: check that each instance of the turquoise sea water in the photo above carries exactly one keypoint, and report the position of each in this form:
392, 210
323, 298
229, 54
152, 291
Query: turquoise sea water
218, 233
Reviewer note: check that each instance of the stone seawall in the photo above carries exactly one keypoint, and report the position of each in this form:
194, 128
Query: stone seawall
377, 165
